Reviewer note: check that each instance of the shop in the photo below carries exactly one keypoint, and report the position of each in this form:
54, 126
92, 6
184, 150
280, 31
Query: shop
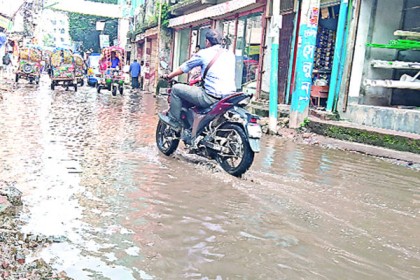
147, 48
384, 90
323, 56
186, 42
242, 35
240, 22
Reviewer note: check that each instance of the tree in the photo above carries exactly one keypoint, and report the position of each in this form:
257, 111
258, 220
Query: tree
83, 28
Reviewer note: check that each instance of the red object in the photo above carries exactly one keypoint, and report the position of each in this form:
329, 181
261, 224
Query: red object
253, 120
193, 82
319, 92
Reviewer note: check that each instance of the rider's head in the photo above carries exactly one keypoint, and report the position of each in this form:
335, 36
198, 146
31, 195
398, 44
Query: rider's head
112, 54
213, 38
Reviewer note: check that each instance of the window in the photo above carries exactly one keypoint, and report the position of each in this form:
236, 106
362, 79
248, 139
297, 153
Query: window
248, 49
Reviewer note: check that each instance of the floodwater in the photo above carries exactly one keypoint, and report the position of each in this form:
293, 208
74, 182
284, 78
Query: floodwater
90, 171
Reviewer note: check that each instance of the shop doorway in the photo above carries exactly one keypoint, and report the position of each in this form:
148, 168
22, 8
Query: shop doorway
324, 55
247, 51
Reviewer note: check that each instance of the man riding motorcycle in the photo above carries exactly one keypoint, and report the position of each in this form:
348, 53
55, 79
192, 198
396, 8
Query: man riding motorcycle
218, 72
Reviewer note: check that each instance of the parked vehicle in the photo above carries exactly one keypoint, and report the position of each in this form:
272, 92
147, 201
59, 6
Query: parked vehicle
113, 78
225, 132
29, 64
79, 69
63, 69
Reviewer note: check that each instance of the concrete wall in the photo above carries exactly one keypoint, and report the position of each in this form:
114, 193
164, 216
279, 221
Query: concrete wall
385, 117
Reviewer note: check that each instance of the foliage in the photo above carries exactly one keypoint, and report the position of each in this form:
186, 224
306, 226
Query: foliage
83, 28
399, 143
151, 21
166, 14
48, 40
305, 123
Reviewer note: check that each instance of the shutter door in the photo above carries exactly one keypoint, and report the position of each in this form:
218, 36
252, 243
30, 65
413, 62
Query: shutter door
286, 35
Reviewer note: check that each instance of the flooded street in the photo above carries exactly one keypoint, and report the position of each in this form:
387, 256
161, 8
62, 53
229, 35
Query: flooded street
89, 170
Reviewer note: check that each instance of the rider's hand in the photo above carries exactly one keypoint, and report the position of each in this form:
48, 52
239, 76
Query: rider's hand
165, 76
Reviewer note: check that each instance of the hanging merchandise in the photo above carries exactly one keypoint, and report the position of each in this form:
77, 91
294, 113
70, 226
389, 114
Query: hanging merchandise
324, 54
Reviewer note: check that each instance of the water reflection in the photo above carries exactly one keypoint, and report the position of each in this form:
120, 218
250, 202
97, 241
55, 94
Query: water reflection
90, 171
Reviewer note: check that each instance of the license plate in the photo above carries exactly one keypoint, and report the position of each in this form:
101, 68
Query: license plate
254, 131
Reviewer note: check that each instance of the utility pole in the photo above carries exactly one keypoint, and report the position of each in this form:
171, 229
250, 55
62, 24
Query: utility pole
158, 43
299, 109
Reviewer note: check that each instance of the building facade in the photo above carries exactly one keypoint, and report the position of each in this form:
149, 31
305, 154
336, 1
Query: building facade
53, 29
382, 90
328, 59
242, 24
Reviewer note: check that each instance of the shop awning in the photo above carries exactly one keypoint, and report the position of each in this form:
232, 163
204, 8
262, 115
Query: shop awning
151, 32
211, 12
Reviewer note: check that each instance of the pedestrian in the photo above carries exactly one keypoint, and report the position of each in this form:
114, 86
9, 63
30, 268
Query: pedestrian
135, 70
142, 74
8, 64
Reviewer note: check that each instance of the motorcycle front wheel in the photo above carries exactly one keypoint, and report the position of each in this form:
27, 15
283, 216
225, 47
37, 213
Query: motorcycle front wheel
167, 139
240, 156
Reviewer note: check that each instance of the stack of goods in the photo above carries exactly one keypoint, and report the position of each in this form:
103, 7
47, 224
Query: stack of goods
325, 49
35, 55
24, 53
324, 57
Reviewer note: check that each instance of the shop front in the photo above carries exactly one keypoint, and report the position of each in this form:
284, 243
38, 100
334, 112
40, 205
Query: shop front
240, 22
323, 55
187, 41
147, 48
384, 90
242, 35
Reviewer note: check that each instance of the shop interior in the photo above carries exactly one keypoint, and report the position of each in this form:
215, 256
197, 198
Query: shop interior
393, 56
324, 54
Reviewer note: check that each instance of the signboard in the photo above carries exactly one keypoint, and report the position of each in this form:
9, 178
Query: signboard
6, 23
212, 11
104, 41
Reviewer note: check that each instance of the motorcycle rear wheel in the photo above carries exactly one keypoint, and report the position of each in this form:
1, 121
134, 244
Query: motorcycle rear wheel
241, 156
166, 139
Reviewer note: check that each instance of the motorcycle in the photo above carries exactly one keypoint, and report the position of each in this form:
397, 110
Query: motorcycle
224, 132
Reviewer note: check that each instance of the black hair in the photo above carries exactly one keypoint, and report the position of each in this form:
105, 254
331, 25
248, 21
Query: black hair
214, 37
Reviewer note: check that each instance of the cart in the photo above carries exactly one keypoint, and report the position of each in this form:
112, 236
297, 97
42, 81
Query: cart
63, 69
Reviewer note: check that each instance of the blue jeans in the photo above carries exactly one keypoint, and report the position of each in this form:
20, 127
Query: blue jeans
135, 82
188, 96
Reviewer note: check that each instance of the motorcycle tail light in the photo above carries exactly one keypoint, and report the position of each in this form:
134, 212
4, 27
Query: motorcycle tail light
253, 120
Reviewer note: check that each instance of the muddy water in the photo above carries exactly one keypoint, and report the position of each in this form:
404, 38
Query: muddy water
90, 171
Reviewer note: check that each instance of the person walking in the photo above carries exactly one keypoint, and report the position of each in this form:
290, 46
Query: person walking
135, 70
8, 64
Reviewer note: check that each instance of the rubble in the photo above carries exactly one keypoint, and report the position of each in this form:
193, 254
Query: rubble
15, 247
